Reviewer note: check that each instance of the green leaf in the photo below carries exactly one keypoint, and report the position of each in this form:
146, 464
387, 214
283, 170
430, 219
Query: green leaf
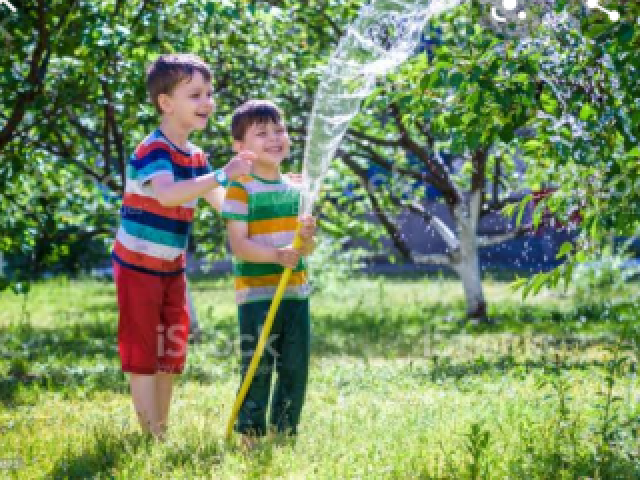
456, 80
331, 228
568, 272
532, 146
564, 250
634, 152
521, 208
625, 34
587, 112
454, 120
538, 281
549, 103
521, 78
518, 283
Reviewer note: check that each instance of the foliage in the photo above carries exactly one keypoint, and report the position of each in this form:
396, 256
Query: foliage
586, 142
73, 105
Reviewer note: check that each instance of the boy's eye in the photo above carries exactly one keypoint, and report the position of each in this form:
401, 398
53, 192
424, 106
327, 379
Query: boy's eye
195, 95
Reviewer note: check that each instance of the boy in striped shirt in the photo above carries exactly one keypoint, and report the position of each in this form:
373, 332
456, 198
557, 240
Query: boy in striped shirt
262, 210
164, 179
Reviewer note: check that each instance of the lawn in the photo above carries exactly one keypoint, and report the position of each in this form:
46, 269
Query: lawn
400, 387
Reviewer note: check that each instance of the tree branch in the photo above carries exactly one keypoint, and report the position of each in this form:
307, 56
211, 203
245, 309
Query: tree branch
118, 141
387, 223
91, 136
445, 232
378, 141
497, 173
444, 184
494, 207
388, 165
503, 237
431, 259
35, 78
67, 152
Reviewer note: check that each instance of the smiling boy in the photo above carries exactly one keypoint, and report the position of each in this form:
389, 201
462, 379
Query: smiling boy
164, 179
262, 214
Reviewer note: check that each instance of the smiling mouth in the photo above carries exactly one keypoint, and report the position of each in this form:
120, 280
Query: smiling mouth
202, 115
273, 150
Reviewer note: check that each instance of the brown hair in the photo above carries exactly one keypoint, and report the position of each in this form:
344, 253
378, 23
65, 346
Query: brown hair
251, 112
167, 71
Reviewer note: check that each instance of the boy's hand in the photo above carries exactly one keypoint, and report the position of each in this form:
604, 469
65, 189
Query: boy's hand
307, 231
307, 227
288, 257
307, 247
295, 178
239, 165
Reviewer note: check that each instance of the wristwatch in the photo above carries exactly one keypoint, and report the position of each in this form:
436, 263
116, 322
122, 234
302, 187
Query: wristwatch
221, 177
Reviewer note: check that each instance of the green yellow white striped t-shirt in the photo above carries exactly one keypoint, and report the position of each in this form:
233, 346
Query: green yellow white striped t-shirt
270, 208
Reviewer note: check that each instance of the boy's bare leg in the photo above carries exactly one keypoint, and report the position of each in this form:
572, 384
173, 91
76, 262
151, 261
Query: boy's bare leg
143, 391
164, 389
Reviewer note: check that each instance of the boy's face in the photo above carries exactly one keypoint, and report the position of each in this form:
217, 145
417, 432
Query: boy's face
269, 141
190, 103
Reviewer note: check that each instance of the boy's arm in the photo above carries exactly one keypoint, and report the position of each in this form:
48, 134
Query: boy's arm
215, 197
246, 249
172, 194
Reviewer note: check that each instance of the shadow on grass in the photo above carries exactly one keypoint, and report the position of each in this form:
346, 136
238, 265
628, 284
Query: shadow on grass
384, 332
83, 354
58, 358
102, 453
205, 454
440, 368
66, 358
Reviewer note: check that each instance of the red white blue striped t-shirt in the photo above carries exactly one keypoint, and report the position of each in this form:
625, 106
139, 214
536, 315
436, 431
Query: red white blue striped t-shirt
152, 238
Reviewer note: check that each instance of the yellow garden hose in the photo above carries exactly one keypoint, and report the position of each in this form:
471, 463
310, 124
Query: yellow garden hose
264, 335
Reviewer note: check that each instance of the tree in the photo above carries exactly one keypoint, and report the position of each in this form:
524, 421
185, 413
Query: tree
587, 137
486, 97
73, 102
469, 99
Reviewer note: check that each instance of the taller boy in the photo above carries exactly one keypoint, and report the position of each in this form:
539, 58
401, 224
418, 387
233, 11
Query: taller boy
164, 178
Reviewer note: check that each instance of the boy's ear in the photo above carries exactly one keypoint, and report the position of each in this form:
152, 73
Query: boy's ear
237, 146
164, 102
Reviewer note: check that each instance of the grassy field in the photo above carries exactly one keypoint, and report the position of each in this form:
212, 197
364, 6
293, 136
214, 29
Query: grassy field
400, 387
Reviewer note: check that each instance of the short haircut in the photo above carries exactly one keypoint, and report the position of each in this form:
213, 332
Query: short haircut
167, 71
252, 112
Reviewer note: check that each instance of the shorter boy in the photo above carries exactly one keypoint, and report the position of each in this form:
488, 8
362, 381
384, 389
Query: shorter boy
262, 210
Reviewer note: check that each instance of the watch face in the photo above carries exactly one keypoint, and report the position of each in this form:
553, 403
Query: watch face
221, 177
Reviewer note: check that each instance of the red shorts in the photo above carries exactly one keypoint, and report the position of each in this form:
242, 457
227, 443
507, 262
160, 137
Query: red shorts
153, 326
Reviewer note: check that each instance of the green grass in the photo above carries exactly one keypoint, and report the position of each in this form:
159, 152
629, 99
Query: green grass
400, 387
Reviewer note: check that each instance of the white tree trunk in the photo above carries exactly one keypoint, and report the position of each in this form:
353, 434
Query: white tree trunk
465, 261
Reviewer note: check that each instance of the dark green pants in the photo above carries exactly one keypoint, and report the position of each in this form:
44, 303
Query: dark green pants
287, 349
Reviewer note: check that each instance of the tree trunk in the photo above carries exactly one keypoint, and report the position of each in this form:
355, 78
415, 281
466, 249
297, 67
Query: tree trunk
465, 261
